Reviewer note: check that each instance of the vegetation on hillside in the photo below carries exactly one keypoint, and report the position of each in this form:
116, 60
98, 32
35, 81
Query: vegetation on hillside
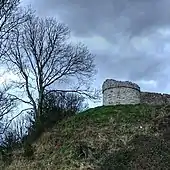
104, 138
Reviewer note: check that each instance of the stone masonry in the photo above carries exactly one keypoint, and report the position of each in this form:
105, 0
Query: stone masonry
126, 92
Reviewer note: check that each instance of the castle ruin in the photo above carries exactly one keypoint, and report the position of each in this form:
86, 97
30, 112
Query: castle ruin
125, 92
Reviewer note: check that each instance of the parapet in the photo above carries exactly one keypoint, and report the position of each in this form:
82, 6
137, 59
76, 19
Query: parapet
111, 83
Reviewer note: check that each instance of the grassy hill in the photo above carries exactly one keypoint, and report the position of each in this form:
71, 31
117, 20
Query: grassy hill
104, 138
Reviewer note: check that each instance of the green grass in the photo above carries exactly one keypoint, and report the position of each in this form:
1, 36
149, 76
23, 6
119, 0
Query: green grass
106, 137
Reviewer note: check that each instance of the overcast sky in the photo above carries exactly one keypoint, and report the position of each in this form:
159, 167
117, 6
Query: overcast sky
130, 38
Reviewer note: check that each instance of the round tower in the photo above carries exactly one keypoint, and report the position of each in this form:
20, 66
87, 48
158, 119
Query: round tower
120, 92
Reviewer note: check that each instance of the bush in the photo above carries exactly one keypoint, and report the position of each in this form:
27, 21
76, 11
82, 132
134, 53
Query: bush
56, 107
28, 151
6, 155
10, 140
35, 130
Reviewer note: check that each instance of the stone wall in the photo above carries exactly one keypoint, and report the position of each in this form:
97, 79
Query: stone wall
154, 98
119, 92
125, 92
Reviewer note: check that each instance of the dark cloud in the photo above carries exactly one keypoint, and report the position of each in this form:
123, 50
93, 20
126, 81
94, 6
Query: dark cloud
107, 16
131, 38
139, 66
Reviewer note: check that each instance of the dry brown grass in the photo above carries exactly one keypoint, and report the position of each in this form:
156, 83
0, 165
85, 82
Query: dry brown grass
97, 138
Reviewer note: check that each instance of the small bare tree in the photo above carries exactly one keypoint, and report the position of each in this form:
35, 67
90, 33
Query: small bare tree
7, 105
41, 55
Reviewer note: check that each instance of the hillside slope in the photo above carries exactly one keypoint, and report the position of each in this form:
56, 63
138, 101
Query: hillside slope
104, 138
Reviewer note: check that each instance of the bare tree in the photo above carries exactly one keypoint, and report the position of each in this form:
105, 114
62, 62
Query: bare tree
10, 18
41, 55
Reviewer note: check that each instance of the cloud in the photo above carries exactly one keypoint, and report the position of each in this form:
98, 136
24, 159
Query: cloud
6, 76
105, 17
130, 38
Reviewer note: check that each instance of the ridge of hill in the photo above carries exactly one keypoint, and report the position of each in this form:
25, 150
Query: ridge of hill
133, 137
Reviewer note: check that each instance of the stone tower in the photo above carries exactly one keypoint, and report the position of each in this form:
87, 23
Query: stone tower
120, 92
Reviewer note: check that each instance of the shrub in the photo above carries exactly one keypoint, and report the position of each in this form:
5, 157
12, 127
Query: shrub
6, 156
28, 151
56, 107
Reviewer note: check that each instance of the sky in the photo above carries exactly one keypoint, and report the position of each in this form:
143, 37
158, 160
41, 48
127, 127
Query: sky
129, 38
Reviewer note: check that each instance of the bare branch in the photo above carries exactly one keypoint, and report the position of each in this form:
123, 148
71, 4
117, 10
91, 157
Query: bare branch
10, 121
10, 18
17, 98
87, 93
6, 103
